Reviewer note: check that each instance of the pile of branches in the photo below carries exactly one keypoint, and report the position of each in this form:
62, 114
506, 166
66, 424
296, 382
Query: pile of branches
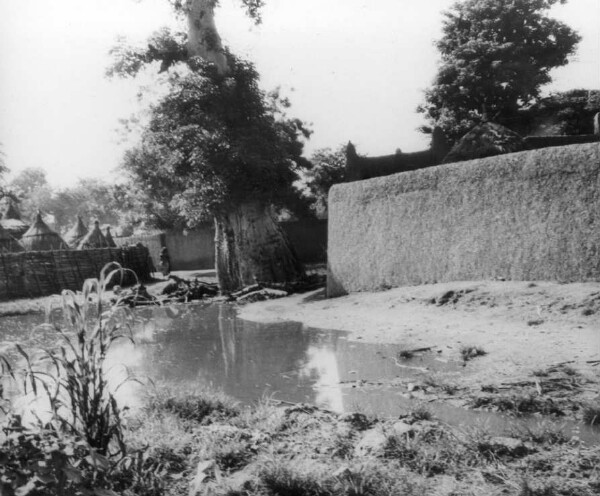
268, 291
180, 290
184, 290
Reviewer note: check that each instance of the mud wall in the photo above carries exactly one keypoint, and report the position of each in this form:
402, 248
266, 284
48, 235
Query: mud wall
40, 273
532, 215
196, 249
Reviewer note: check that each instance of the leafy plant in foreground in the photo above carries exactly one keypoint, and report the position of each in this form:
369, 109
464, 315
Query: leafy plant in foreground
73, 376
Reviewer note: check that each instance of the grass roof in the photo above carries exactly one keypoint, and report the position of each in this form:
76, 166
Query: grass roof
109, 238
485, 140
76, 233
93, 239
39, 237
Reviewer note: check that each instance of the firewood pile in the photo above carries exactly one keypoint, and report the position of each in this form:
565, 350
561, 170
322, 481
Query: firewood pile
180, 290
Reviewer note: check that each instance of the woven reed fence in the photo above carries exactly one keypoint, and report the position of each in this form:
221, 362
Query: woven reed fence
41, 273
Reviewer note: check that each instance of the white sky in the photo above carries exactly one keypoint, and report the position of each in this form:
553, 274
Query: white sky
356, 69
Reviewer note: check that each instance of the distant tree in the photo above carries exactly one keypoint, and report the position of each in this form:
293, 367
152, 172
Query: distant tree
3, 168
328, 167
31, 190
89, 198
28, 180
495, 57
218, 147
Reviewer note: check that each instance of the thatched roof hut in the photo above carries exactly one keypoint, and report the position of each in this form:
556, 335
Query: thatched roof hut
8, 244
93, 239
11, 221
109, 238
76, 233
40, 237
485, 140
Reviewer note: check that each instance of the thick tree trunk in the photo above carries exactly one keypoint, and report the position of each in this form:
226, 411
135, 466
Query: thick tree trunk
251, 247
203, 39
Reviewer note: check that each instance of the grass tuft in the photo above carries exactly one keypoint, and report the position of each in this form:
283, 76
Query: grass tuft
469, 352
591, 413
200, 407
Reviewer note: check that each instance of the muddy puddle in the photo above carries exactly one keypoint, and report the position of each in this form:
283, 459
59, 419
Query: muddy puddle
188, 347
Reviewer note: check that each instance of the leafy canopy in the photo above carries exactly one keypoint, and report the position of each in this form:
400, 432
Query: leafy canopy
495, 57
328, 167
216, 140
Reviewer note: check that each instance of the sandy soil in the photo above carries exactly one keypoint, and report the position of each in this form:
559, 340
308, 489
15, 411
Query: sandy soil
522, 326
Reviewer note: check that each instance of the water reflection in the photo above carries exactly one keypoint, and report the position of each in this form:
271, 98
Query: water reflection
189, 347
208, 345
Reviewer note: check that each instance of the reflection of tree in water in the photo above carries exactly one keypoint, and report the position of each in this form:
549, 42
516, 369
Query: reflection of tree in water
210, 345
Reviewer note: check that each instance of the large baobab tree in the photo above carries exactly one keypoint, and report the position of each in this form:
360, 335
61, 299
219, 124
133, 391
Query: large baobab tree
223, 147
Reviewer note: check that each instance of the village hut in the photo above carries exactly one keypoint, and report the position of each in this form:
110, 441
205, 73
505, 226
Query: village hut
11, 221
485, 140
109, 238
8, 244
40, 237
93, 239
76, 233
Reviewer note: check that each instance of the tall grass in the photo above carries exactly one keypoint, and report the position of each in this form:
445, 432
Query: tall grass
73, 377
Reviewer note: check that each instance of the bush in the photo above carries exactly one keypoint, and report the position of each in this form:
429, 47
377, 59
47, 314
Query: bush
81, 400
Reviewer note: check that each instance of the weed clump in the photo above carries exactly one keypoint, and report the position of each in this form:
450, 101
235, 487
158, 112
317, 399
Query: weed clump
420, 413
591, 414
518, 404
198, 408
77, 388
469, 352
406, 354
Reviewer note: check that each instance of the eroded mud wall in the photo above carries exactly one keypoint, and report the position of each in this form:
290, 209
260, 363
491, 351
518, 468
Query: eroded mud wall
532, 215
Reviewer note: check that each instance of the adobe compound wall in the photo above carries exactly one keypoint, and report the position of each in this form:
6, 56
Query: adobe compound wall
533, 215
196, 249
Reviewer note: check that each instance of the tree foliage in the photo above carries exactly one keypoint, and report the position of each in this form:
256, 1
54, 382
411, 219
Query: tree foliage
89, 198
215, 140
328, 167
495, 57
568, 112
253, 7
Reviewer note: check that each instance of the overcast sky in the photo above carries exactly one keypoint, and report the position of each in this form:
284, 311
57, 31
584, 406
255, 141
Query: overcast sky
356, 69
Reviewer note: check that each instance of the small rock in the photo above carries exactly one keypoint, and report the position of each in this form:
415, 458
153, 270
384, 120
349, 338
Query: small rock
205, 470
402, 428
372, 443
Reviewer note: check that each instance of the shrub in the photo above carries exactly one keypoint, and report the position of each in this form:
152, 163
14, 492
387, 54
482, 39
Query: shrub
73, 376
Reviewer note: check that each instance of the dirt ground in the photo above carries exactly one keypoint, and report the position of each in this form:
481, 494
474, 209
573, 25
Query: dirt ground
523, 326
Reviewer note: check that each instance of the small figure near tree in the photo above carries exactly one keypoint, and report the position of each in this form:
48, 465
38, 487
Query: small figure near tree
164, 262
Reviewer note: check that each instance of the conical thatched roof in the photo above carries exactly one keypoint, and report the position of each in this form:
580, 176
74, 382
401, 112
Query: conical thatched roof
109, 238
93, 239
8, 244
11, 221
40, 237
11, 212
485, 140
76, 233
